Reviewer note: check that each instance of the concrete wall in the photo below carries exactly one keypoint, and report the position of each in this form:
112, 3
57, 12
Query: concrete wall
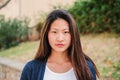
31, 8
10, 70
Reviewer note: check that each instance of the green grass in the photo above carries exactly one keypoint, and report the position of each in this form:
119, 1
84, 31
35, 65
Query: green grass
22, 52
102, 48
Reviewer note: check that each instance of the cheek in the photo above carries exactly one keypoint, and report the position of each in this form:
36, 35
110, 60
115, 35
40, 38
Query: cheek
50, 39
69, 40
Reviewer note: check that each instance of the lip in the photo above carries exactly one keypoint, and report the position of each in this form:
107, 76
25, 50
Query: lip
60, 45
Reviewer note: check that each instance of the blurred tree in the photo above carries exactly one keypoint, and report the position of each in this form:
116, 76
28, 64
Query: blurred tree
3, 3
96, 16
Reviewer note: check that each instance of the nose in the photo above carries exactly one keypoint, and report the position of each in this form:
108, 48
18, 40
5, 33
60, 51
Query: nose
60, 37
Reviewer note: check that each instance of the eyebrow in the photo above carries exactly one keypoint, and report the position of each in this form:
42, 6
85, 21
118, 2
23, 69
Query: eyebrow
53, 28
57, 29
66, 29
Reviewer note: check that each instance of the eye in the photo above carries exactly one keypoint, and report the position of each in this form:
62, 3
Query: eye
54, 31
66, 32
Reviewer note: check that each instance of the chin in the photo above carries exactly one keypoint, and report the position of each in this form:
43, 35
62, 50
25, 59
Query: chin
60, 51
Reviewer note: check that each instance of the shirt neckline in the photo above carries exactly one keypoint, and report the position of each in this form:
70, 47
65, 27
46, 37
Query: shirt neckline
55, 73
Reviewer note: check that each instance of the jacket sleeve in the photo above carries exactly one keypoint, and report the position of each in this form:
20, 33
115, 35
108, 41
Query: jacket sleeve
91, 67
26, 73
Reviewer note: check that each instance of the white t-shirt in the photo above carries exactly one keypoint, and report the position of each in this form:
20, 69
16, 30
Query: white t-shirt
50, 75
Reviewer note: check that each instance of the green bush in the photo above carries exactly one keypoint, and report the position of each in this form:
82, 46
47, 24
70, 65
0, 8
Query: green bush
96, 16
12, 31
39, 26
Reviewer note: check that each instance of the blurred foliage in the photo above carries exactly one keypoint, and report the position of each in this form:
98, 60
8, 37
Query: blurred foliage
97, 16
12, 32
116, 72
39, 26
40, 20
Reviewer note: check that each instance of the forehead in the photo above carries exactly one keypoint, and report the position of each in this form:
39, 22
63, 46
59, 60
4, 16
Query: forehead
59, 24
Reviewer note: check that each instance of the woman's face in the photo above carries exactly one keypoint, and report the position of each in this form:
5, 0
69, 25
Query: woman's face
59, 36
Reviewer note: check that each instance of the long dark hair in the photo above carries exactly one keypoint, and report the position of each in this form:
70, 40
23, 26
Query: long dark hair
75, 52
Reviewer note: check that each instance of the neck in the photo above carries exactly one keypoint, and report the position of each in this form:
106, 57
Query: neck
58, 57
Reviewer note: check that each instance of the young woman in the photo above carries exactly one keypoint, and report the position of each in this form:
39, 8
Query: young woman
60, 55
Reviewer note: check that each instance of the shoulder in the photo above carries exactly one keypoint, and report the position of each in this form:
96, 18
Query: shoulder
90, 65
31, 68
33, 64
92, 69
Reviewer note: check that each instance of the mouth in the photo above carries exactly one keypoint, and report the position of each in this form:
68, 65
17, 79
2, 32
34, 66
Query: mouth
59, 45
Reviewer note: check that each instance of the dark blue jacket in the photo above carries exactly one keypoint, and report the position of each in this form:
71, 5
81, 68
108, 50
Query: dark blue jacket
34, 70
